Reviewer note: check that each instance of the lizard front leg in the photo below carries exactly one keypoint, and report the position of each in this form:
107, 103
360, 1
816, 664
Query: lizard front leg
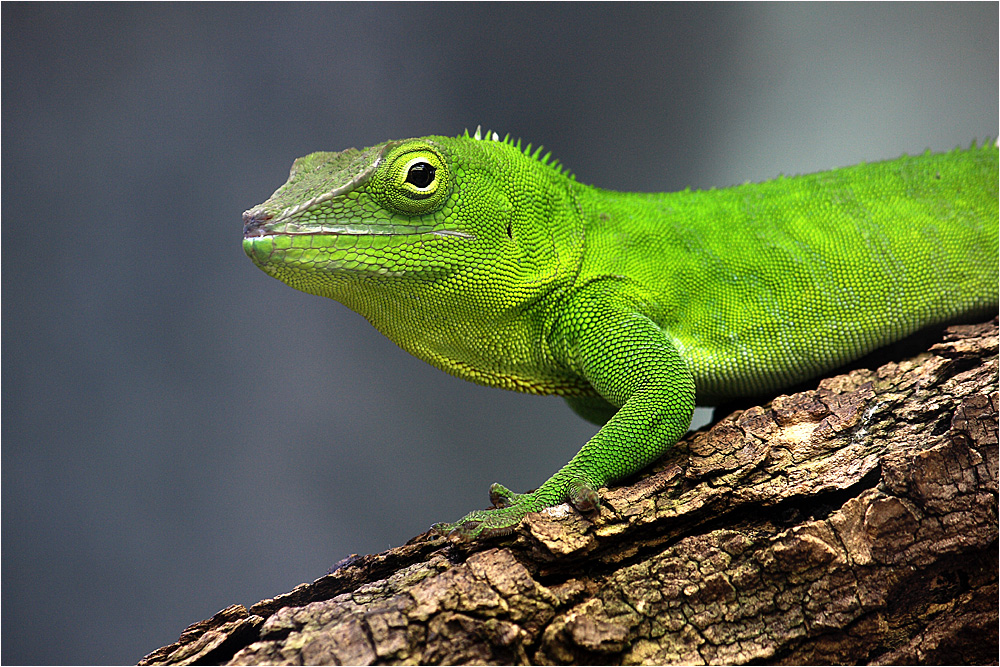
632, 364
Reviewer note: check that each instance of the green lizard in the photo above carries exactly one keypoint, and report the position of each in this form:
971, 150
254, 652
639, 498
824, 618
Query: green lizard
495, 265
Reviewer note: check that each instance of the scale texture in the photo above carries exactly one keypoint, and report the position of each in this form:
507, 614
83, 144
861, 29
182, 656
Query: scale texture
492, 263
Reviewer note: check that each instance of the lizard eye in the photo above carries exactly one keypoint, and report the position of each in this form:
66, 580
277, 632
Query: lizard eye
413, 179
420, 174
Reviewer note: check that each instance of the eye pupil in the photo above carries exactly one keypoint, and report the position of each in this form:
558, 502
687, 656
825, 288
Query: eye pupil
420, 174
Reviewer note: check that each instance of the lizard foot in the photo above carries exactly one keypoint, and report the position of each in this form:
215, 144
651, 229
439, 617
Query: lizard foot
510, 508
483, 524
583, 496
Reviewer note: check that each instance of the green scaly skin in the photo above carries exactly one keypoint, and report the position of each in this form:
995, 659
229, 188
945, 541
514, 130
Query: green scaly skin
490, 263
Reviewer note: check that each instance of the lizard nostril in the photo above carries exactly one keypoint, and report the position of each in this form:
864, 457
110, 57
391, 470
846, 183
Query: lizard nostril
253, 221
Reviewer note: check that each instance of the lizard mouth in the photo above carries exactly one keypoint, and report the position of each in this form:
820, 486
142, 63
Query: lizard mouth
256, 221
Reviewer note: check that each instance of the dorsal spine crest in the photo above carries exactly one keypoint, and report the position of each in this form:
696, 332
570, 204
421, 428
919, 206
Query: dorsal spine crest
545, 159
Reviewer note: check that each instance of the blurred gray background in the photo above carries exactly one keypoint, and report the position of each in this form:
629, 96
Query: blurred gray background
182, 432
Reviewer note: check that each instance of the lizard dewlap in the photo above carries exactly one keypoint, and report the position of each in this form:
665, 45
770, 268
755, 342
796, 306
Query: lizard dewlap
493, 264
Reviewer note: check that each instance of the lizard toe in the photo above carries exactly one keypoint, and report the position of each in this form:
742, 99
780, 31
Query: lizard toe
583, 496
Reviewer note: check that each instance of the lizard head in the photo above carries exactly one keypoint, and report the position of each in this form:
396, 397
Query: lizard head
436, 229
355, 213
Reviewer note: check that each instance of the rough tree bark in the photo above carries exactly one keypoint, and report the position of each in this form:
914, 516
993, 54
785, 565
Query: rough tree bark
853, 523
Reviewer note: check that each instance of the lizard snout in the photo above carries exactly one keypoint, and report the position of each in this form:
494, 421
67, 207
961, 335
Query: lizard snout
253, 222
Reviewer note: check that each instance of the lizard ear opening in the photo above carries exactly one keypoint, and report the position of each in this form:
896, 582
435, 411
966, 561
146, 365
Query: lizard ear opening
413, 179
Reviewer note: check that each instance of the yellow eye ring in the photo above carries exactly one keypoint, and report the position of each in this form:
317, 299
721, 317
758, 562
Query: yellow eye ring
413, 179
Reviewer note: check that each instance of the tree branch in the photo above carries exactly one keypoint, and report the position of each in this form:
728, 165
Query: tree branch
854, 523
